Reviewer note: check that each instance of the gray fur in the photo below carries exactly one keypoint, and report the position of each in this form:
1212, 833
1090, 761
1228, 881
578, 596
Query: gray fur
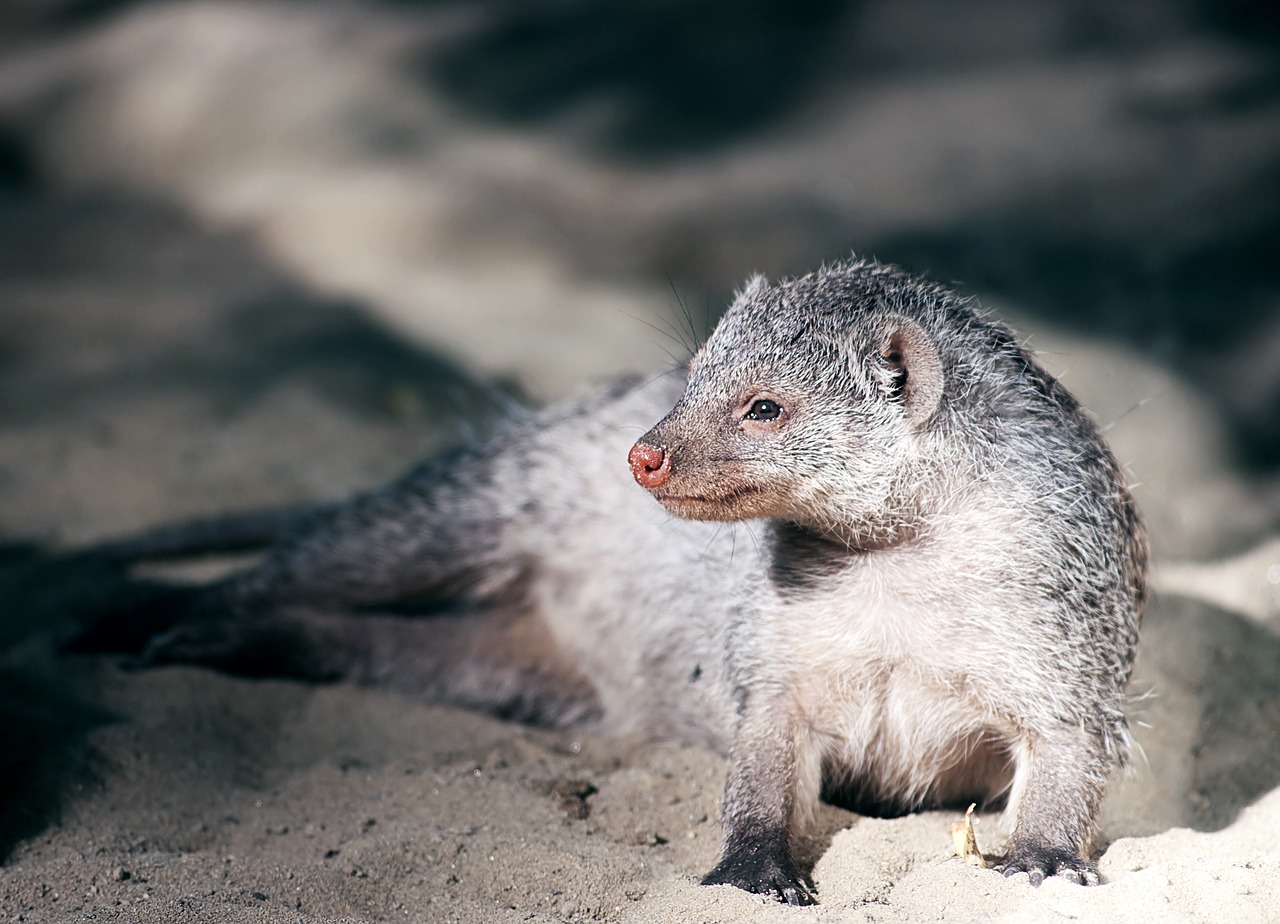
927, 590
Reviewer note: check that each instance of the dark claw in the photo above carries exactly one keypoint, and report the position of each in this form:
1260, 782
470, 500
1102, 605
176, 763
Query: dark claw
764, 874
231, 645
1040, 862
190, 643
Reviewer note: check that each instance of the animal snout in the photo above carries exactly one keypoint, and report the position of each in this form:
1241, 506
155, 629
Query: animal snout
651, 465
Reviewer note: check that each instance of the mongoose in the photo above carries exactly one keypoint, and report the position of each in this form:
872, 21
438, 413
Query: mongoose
881, 557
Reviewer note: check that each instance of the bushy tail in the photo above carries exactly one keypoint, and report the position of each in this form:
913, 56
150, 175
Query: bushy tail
240, 532
433, 540
115, 611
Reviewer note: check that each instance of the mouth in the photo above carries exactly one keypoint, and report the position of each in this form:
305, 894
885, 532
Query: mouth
707, 507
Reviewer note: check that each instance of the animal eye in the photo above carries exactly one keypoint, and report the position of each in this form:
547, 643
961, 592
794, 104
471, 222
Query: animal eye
764, 409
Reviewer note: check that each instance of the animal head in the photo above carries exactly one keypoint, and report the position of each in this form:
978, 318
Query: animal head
817, 400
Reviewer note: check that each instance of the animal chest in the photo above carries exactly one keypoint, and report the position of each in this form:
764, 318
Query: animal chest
883, 688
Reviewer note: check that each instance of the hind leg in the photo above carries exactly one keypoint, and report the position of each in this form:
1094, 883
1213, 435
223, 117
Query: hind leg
503, 661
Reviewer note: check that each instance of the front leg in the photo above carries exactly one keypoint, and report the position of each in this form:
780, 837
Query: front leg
774, 780
1060, 777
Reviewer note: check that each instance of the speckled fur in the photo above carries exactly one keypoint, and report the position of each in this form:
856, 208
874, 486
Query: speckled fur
922, 585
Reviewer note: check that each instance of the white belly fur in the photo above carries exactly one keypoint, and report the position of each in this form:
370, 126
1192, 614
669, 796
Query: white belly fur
902, 739
899, 684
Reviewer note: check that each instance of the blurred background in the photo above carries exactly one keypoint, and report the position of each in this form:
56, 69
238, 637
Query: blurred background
387, 206
256, 252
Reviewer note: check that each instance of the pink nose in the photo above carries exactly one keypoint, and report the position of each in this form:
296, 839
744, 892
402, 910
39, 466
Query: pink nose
650, 465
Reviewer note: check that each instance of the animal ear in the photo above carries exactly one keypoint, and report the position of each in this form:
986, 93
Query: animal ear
755, 285
910, 369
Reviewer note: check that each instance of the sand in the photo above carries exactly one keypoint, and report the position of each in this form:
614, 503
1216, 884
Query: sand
222, 287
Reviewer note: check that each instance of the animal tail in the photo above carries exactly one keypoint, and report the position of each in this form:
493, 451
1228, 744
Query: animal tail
432, 541
117, 611
240, 532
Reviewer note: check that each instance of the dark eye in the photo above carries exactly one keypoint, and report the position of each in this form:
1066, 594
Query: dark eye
764, 409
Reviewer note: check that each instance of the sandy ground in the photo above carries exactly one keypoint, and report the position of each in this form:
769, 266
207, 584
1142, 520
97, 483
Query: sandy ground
247, 257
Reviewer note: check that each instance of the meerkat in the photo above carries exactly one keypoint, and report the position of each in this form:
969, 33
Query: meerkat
870, 551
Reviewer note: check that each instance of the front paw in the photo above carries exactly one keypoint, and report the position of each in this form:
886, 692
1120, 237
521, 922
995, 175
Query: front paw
764, 873
1039, 862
